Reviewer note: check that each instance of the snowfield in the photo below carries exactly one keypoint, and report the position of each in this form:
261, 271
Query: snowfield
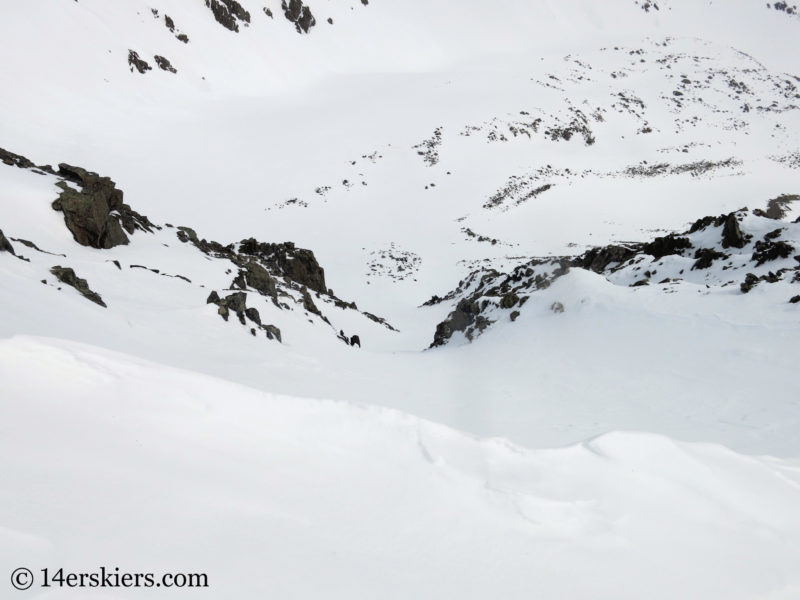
567, 236
109, 460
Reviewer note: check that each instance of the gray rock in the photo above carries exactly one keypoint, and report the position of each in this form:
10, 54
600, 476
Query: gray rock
750, 281
137, 63
5, 245
253, 315
768, 250
308, 303
732, 235
509, 300
666, 246
299, 14
258, 278
96, 214
272, 332
68, 277
598, 259
705, 257
164, 64
228, 13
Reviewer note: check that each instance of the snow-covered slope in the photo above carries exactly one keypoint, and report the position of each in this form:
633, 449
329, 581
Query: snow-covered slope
405, 155
552, 192
277, 496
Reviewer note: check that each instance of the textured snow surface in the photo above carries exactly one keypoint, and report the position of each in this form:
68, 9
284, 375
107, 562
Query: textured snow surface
109, 460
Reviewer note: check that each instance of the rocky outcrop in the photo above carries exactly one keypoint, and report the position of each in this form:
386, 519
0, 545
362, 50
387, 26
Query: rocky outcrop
236, 303
299, 14
485, 292
750, 281
732, 236
229, 13
777, 208
705, 257
5, 245
137, 63
701, 224
95, 213
297, 264
164, 64
15, 160
308, 303
666, 246
598, 259
68, 277
768, 250
466, 317
257, 277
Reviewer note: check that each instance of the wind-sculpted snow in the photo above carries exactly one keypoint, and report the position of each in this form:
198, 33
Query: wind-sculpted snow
371, 502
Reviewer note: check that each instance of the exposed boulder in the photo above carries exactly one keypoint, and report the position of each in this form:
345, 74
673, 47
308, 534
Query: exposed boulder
750, 281
509, 300
732, 235
466, 317
705, 257
297, 264
96, 214
701, 224
253, 314
68, 277
5, 245
667, 245
257, 277
299, 14
236, 303
272, 332
87, 216
308, 303
164, 64
598, 259
768, 250
229, 13
15, 160
777, 208
137, 63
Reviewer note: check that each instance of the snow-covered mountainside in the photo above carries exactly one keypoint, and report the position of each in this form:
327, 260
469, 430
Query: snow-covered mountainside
540, 222
260, 492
